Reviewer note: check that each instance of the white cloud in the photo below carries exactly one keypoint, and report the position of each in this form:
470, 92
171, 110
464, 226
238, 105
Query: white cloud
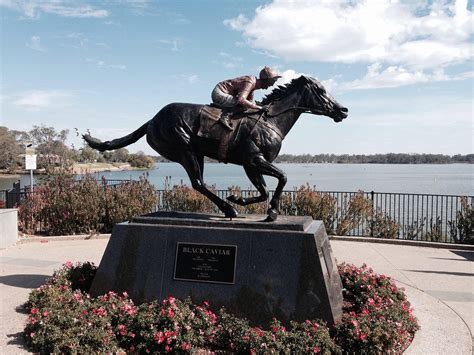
35, 44
104, 65
36, 100
34, 9
287, 76
75, 40
112, 23
228, 60
395, 76
191, 79
174, 43
407, 37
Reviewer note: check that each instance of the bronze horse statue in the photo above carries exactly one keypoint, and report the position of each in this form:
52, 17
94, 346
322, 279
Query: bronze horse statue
254, 143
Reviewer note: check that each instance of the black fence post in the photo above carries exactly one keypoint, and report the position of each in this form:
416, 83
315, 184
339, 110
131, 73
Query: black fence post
372, 193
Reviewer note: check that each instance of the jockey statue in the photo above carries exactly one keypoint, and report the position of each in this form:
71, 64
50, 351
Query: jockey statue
238, 92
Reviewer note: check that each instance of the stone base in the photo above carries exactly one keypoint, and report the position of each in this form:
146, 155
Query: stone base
8, 227
283, 269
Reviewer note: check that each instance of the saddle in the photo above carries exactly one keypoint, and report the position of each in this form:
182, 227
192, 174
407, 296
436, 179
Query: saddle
211, 127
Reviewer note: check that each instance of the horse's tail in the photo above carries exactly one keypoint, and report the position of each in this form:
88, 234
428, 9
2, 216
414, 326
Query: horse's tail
116, 143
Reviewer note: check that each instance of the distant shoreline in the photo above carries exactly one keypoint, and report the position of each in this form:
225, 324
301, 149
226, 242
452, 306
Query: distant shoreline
83, 168
77, 169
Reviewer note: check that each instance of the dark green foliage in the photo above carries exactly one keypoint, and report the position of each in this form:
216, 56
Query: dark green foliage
10, 149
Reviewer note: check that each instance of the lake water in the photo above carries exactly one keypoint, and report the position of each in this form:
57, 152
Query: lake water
449, 179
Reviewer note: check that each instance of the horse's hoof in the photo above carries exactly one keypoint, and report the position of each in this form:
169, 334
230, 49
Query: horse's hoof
231, 213
272, 215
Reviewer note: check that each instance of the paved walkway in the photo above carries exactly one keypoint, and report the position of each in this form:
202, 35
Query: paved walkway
439, 283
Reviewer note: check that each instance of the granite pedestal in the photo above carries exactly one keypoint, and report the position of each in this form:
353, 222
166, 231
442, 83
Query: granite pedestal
283, 269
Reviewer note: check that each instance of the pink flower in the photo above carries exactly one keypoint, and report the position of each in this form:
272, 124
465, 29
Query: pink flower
362, 336
68, 264
159, 337
45, 313
34, 311
100, 312
205, 303
316, 350
169, 334
129, 309
170, 313
122, 329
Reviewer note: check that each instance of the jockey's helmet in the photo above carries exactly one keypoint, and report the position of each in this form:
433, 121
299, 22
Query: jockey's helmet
269, 73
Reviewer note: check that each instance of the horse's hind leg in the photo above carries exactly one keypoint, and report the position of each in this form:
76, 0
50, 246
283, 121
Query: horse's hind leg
193, 166
257, 180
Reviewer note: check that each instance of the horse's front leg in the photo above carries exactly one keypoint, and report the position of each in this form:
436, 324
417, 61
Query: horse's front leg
259, 165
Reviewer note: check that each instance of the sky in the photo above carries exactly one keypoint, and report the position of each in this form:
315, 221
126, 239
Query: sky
404, 69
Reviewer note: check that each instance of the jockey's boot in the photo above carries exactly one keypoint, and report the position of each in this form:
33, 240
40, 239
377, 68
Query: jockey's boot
226, 122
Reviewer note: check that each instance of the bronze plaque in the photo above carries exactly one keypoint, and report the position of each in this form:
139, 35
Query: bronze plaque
205, 262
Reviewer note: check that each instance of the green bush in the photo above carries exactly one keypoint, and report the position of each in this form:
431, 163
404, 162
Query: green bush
255, 208
185, 198
62, 205
63, 318
380, 225
309, 202
462, 229
354, 211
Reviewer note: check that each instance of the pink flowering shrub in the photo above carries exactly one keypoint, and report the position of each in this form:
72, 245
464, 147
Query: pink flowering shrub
377, 316
66, 320
63, 318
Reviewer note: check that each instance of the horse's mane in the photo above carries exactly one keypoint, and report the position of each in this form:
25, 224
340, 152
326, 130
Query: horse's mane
283, 90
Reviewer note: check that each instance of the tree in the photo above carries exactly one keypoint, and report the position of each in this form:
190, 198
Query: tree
88, 155
140, 160
50, 146
10, 149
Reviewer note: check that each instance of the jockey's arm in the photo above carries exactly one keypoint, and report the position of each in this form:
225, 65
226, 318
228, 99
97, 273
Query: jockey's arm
245, 96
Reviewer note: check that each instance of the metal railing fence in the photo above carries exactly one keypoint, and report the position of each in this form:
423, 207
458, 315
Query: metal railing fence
424, 217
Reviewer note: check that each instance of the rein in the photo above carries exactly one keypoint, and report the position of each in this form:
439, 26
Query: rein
271, 127
305, 109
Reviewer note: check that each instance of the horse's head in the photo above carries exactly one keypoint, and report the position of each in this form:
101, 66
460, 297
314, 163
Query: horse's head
315, 97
